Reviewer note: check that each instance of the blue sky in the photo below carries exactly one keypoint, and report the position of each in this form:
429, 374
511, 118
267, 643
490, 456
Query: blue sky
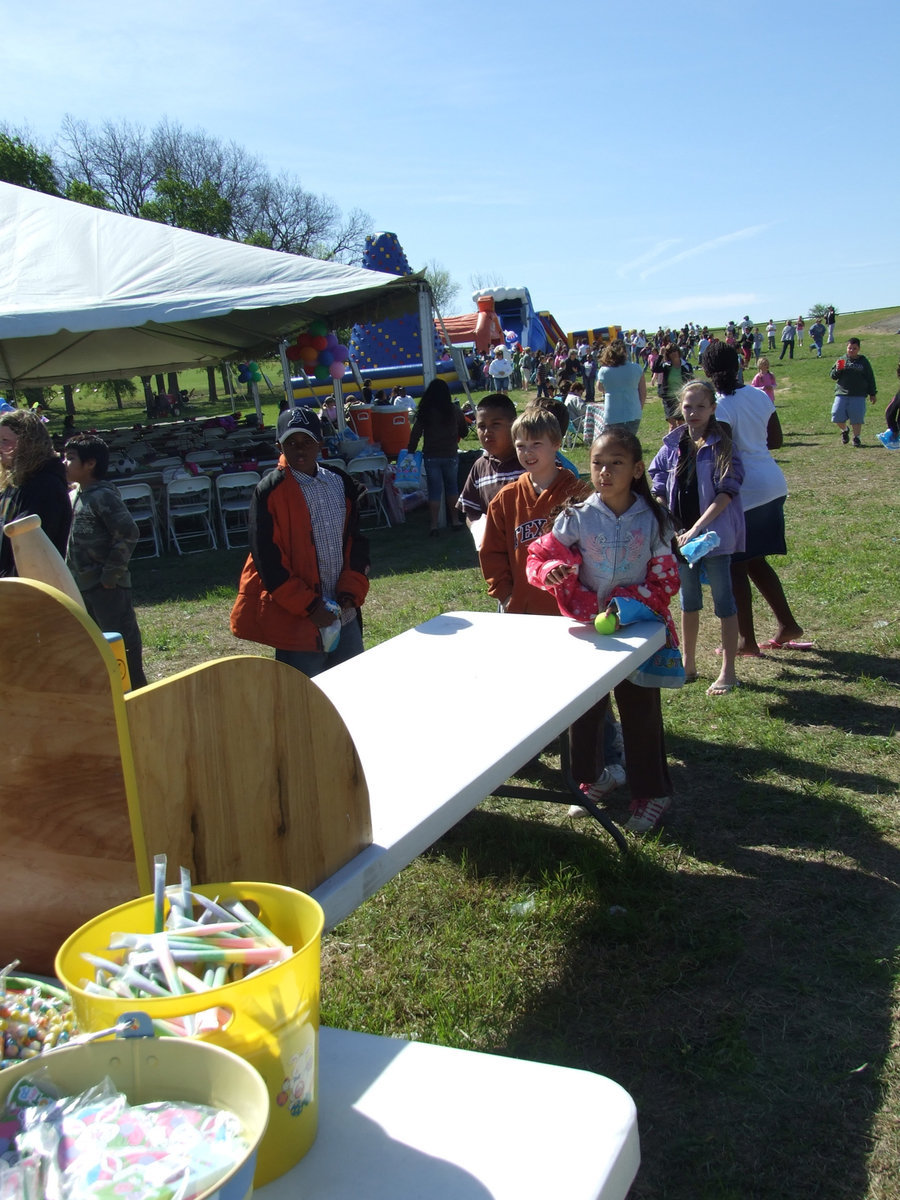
628, 164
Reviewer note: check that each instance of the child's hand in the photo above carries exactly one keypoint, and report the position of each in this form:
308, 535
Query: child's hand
558, 574
688, 536
322, 615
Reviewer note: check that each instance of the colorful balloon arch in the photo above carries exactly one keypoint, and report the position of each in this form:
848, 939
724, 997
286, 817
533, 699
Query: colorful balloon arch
319, 352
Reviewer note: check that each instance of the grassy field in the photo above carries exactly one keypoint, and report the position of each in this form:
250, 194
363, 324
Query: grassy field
737, 973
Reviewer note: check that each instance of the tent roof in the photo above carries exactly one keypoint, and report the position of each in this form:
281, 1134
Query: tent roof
90, 294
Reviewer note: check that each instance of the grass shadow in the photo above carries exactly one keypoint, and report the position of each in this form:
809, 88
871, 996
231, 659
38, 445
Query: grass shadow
751, 1012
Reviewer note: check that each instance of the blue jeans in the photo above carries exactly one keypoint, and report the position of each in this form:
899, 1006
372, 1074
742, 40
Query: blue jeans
442, 475
314, 662
718, 573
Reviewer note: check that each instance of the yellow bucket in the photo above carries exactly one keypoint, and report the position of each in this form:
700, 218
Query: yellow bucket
274, 1021
149, 1069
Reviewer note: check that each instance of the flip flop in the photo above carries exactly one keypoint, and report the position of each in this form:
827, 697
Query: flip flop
771, 644
722, 689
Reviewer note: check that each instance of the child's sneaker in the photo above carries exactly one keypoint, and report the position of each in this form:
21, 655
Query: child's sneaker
609, 779
857, 442
648, 814
845, 436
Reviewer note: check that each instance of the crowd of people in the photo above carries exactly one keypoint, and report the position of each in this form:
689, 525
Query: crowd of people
548, 543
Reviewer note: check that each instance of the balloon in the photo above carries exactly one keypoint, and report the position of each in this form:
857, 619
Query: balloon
337, 370
320, 342
321, 373
326, 358
318, 328
308, 354
305, 339
294, 353
332, 341
341, 353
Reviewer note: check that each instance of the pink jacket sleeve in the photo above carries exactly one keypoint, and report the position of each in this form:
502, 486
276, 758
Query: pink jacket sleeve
582, 604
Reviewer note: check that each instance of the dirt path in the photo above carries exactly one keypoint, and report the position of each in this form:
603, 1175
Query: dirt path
888, 325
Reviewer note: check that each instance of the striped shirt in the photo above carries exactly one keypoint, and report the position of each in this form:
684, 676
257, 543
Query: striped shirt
487, 477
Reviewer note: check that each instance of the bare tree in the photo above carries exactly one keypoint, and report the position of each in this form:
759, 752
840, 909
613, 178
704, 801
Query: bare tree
115, 160
286, 217
348, 242
125, 165
486, 281
197, 159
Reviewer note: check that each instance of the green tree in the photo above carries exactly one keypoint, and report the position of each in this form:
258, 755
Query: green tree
25, 165
83, 193
128, 164
199, 208
444, 289
259, 237
818, 311
115, 390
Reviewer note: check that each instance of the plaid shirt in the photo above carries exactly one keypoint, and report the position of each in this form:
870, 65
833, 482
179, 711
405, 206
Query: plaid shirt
324, 495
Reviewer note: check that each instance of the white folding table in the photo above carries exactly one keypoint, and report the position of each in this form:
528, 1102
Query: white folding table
448, 711
409, 1121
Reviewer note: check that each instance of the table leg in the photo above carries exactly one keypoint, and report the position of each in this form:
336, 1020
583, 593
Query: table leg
542, 794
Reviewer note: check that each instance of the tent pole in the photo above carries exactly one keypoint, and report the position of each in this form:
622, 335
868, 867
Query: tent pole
254, 390
229, 383
286, 373
426, 333
339, 405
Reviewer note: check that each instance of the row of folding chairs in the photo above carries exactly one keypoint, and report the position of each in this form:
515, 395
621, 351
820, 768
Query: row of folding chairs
199, 511
196, 513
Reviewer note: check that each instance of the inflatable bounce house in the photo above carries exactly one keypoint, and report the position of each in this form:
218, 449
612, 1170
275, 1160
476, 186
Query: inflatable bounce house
506, 316
387, 353
503, 317
390, 353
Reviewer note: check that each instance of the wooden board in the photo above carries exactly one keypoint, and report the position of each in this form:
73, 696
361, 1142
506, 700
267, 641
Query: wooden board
66, 841
246, 771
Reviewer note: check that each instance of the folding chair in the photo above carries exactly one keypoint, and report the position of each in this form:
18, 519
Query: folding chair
167, 463
576, 423
138, 498
233, 494
370, 469
189, 512
205, 458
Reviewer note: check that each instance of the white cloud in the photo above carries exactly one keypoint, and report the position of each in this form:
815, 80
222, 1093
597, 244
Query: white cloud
648, 257
724, 239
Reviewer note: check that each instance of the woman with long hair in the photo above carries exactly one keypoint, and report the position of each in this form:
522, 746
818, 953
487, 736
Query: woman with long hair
756, 430
441, 424
32, 481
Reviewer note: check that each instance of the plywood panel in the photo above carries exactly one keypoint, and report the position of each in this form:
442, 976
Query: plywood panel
246, 771
66, 842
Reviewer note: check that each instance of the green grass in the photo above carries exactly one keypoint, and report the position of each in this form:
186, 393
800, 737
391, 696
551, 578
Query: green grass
737, 973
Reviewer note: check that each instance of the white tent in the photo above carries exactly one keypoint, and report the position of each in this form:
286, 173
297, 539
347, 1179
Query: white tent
88, 294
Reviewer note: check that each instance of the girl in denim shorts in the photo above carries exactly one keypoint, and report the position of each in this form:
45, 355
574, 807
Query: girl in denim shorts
698, 475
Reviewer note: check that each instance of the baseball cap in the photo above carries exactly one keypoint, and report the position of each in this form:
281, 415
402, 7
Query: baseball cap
299, 420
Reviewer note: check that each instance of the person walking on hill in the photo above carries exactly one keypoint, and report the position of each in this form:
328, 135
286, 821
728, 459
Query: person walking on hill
787, 339
854, 380
829, 321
